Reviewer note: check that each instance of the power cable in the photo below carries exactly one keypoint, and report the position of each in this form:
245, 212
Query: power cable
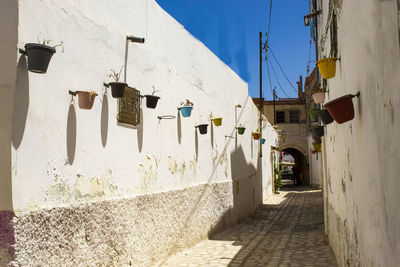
276, 78
282, 70
269, 77
269, 22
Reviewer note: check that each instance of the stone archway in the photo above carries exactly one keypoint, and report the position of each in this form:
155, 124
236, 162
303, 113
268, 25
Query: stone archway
301, 161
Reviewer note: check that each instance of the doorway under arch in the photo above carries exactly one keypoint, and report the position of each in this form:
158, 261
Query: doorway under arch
300, 160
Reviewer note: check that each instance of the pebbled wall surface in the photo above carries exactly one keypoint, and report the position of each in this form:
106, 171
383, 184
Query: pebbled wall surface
138, 231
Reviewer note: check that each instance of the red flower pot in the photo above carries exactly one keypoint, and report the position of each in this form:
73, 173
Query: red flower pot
341, 109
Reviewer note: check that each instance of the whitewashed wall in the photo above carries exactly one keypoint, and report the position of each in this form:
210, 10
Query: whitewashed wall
362, 176
315, 165
64, 159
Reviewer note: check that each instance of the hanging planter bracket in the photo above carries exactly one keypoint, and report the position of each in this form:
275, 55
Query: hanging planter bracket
73, 93
22, 51
357, 95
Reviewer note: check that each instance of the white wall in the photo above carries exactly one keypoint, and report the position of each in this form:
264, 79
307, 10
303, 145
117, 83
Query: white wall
126, 164
362, 200
315, 165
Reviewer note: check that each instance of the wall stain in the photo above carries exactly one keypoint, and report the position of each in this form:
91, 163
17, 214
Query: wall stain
172, 165
148, 171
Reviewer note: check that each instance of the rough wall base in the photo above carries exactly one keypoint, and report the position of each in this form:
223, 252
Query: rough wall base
343, 240
137, 231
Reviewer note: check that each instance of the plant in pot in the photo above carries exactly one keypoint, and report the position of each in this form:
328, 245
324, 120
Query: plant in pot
314, 114
318, 95
327, 67
86, 99
317, 139
257, 134
152, 100
325, 116
202, 128
39, 55
240, 129
186, 108
342, 109
117, 87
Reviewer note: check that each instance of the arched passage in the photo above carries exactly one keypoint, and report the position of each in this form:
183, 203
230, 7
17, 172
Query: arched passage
300, 160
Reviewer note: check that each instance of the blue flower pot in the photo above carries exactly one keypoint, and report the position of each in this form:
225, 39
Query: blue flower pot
262, 141
186, 111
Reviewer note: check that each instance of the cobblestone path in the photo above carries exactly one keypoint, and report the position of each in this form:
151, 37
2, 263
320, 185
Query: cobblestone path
286, 231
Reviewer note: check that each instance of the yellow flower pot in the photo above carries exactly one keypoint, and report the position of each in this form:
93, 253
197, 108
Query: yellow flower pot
317, 147
327, 67
217, 121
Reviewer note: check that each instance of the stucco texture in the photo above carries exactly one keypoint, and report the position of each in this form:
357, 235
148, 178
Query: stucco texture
122, 232
361, 175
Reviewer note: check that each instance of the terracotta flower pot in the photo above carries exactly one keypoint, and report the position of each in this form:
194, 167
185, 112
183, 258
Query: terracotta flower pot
202, 128
117, 89
86, 99
325, 116
319, 97
341, 109
39, 57
151, 101
256, 135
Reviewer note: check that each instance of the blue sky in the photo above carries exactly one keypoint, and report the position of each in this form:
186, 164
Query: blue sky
230, 29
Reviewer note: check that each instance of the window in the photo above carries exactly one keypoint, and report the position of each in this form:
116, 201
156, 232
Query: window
294, 116
280, 117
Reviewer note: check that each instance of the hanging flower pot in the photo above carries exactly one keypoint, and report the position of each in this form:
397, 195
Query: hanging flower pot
319, 97
202, 128
262, 141
317, 147
342, 109
256, 135
217, 121
325, 116
314, 114
186, 108
86, 99
151, 101
317, 139
117, 89
39, 57
240, 130
318, 131
186, 111
327, 67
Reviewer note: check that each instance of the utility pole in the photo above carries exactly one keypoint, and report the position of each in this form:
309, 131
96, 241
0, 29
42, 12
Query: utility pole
261, 100
274, 96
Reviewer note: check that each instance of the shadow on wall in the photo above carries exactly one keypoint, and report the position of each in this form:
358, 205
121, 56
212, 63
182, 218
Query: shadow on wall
196, 143
179, 127
212, 134
21, 103
71, 133
139, 131
246, 181
104, 120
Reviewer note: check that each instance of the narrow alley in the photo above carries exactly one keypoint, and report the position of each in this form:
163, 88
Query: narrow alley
286, 231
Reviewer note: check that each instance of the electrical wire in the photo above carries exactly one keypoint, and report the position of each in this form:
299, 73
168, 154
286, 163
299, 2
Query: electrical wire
269, 78
269, 22
276, 78
282, 69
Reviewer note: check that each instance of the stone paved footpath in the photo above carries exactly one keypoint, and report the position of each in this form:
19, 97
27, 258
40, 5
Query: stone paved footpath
288, 230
